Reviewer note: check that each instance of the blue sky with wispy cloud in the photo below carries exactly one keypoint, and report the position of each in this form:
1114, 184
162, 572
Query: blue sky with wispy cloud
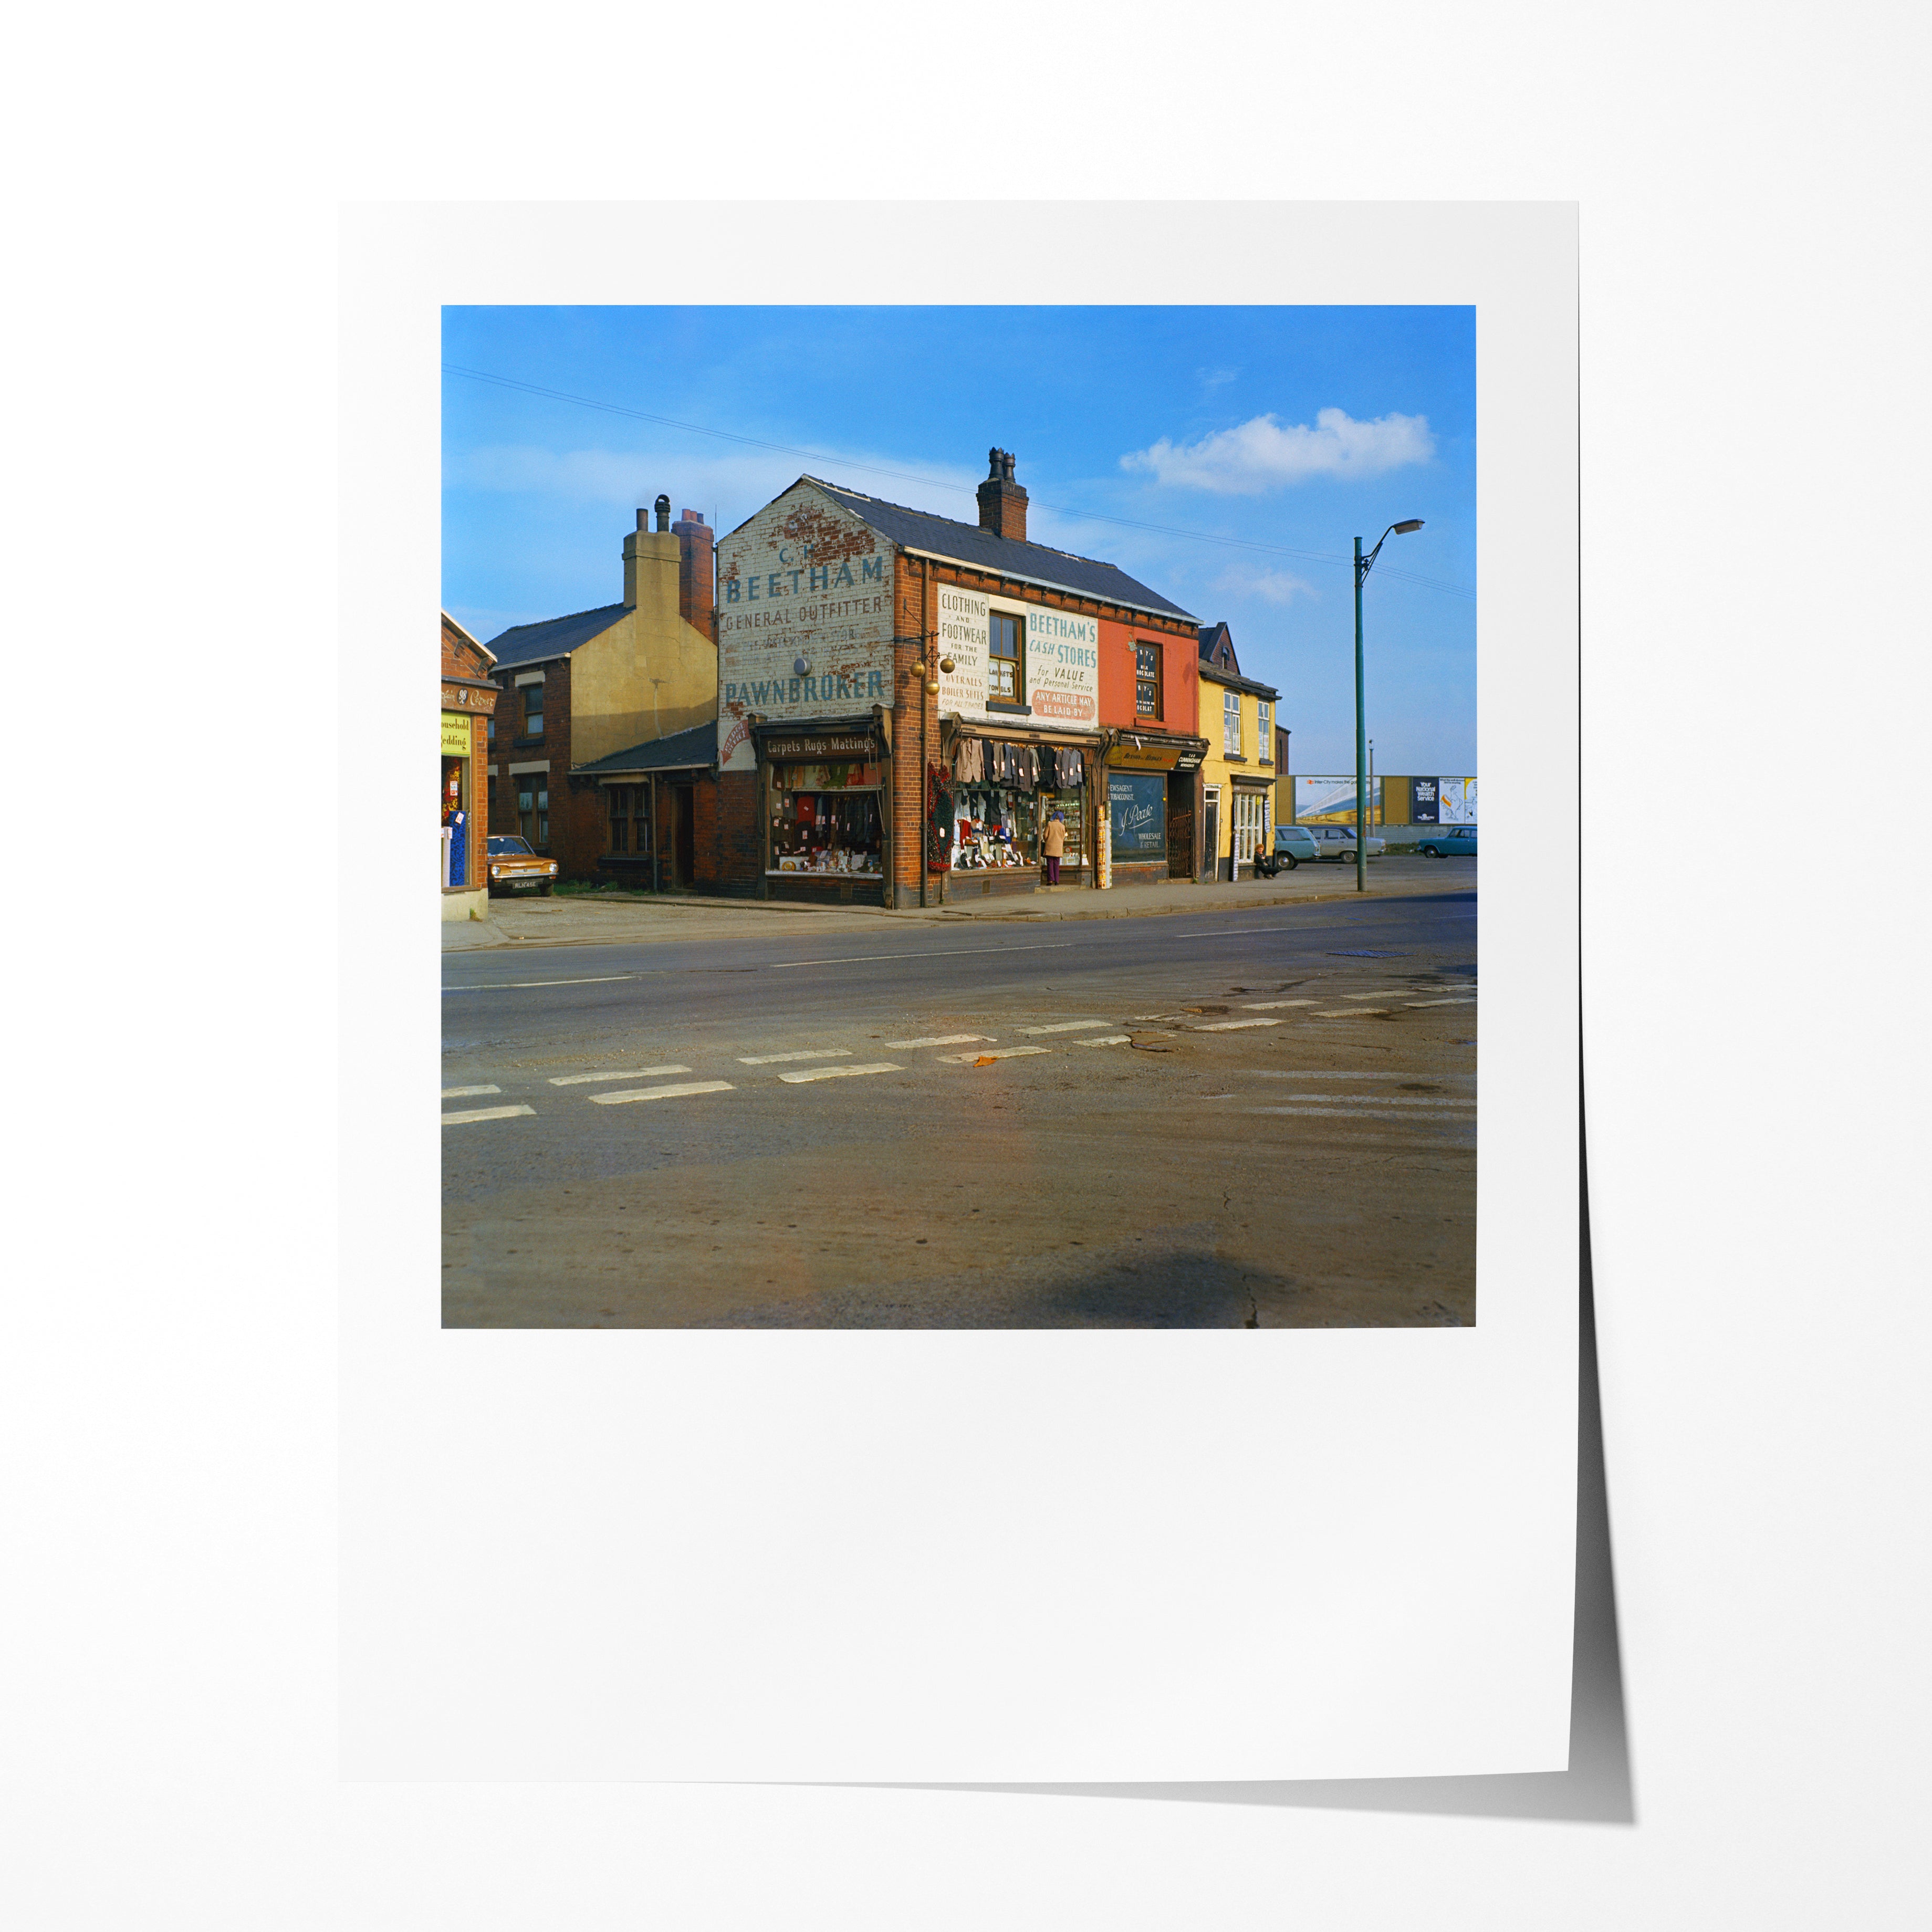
1225, 456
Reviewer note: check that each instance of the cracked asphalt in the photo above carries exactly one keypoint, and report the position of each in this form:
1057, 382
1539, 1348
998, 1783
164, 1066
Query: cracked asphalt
1257, 1117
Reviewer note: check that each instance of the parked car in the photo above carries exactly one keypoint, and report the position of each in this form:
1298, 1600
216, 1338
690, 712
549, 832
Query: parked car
1453, 841
514, 868
1338, 841
1292, 844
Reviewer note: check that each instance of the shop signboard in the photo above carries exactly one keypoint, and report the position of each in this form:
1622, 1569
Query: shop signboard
1127, 756
804, 619
1062, 660
1137, 815
456, 729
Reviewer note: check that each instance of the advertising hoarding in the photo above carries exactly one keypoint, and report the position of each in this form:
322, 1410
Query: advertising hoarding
1329, 801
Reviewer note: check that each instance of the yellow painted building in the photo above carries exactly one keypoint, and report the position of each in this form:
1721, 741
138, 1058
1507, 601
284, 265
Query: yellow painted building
1238, 776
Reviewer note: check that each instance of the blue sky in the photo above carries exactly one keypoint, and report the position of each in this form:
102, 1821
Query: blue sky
1236, 452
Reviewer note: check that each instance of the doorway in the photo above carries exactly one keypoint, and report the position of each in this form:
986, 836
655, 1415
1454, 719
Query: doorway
684, 838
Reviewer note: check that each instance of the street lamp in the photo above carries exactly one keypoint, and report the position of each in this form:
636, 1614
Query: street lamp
1363, 564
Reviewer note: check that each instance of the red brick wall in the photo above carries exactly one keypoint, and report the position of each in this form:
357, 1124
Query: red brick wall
578, 816
730, 849
911, 701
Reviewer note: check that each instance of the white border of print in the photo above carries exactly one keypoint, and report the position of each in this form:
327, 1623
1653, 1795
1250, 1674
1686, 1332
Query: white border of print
812, 1556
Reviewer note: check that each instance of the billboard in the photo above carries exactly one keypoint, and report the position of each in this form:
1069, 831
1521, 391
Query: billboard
1319, 801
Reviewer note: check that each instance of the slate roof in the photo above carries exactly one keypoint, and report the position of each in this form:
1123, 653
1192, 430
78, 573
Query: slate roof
554, 637
1214, 635
1234, 681
681, 752
914, 529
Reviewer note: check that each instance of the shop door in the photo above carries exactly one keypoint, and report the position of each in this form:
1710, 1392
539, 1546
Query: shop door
1210, 823
1180, 825
686, 849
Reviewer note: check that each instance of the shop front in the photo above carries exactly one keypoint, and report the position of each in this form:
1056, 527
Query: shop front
1153, 807
825, 821
467, 704
1002, 795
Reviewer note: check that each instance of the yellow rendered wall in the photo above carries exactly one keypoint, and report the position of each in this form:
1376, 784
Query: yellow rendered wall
1215, 769
651, 673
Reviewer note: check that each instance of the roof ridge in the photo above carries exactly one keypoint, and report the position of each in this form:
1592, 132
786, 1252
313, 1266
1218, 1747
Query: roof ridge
565, 617
885, 503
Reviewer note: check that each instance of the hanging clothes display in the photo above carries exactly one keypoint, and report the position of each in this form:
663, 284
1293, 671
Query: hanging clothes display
1006, 793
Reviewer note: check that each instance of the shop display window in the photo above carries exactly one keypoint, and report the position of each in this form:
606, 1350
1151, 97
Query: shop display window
824, 818
1003, 795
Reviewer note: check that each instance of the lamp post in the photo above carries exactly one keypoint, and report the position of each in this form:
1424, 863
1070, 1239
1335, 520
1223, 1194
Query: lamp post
1363, 564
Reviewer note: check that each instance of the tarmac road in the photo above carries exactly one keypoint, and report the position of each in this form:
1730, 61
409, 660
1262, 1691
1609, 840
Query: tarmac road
1259, 1117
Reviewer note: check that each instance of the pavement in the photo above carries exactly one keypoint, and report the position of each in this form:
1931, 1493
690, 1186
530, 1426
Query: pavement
1260, 1116
615, 919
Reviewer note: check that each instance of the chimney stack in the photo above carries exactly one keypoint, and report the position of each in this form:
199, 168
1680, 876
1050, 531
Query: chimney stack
696, 592
1003, 503
663, 512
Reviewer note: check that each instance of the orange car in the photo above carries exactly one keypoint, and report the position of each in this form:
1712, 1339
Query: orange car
514, 868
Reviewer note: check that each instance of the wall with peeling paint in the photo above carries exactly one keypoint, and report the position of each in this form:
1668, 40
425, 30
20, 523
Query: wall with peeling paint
802, 579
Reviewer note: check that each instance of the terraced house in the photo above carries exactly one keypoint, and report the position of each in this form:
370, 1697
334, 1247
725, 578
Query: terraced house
578, 766
1237, 716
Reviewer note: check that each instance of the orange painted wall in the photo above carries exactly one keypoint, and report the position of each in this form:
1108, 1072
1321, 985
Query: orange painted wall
1181, 686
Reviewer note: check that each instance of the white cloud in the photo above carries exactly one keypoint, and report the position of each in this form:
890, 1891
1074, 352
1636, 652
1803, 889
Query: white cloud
1274, 586
1264, 453
1213, 379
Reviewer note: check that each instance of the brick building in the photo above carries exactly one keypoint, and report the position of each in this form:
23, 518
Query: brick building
576, 689
904, 699
469, 701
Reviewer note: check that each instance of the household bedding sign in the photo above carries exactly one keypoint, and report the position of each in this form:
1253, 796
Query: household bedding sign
1135, 1341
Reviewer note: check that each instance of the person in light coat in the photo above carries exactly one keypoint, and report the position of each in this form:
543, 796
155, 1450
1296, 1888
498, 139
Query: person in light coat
1053, 846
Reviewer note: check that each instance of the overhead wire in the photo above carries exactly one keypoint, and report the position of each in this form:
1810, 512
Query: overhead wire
937, 482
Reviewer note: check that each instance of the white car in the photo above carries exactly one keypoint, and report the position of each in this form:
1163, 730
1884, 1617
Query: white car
1338, 841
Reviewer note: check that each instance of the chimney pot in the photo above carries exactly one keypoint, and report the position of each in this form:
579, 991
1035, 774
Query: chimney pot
1003, 503
643, 517
663, 512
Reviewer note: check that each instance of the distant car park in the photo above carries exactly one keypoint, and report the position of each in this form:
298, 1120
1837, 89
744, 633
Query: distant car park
1338, 842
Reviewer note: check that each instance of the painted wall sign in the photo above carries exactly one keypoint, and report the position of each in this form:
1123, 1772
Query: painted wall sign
804, 583
842, 745
1063, 659
457, 727
1137, 814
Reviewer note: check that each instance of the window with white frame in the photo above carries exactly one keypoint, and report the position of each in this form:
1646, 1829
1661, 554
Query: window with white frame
1263, 737
1231, 723
1250, 826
